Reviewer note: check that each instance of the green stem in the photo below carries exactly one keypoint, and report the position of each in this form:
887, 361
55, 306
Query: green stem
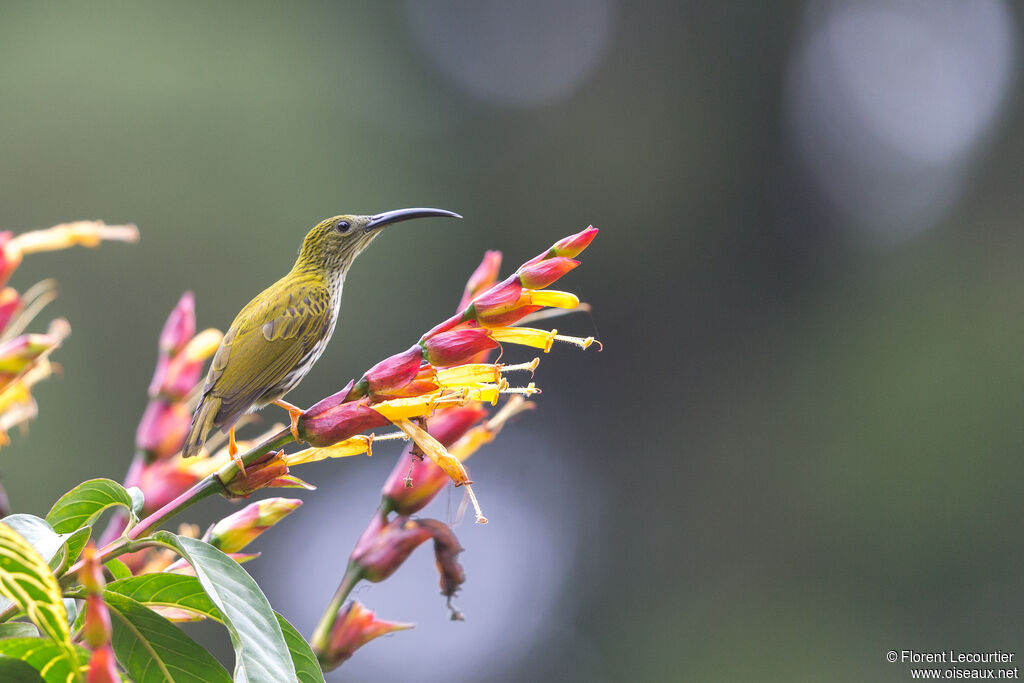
204, 488
322, 635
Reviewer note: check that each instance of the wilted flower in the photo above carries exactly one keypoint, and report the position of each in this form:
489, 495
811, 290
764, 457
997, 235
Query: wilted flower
446, 554
354, 627
384, 546
238, 530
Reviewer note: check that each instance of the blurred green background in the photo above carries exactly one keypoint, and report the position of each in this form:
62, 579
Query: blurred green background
798, 449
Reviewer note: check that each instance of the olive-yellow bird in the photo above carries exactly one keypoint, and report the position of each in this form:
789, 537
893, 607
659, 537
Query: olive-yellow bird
281, 333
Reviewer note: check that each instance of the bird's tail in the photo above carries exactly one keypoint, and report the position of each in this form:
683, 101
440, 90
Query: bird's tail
202, 422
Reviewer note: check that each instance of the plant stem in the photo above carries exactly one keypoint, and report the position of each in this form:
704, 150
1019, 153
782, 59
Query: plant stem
322, 635
204, 488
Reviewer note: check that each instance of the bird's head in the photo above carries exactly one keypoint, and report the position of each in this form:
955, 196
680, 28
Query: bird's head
336, 242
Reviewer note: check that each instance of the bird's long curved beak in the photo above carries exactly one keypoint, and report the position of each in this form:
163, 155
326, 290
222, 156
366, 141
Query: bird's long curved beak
389, 217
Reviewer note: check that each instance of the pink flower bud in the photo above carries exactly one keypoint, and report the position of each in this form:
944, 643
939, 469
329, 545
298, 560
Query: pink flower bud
238, 530
542, 273
500, 298
163, 428
180, 326
383, 548
102, 667
509, 317
572, 245
354, 627
485, 275
456, 347
391, 374
333, 419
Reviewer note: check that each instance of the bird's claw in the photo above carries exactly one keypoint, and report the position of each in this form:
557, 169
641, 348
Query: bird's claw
233, 452
294, 413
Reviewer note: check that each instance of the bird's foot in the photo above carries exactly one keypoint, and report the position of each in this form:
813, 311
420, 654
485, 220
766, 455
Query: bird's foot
294, 413
233, 451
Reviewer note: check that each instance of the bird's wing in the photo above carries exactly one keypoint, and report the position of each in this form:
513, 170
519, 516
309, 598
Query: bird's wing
268, 339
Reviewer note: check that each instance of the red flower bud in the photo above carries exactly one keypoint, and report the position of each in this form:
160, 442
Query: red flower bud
391, 374
163, 428
456, 347
542, 273
333, 420
354, 627
485, 275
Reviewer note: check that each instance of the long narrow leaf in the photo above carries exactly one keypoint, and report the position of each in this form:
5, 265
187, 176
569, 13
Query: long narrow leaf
261, 653
306, 664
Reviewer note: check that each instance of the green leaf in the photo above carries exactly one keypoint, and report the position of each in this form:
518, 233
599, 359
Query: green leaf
138, 500
59, 550
178, 591
306, 665
76, 541
18, 629
261, 654
117, 568
82, 505
38, 533
153, 650
167, 590
18, 671
26, 579
47, 657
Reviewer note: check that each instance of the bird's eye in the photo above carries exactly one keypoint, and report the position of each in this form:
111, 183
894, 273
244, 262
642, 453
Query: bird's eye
343, 227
